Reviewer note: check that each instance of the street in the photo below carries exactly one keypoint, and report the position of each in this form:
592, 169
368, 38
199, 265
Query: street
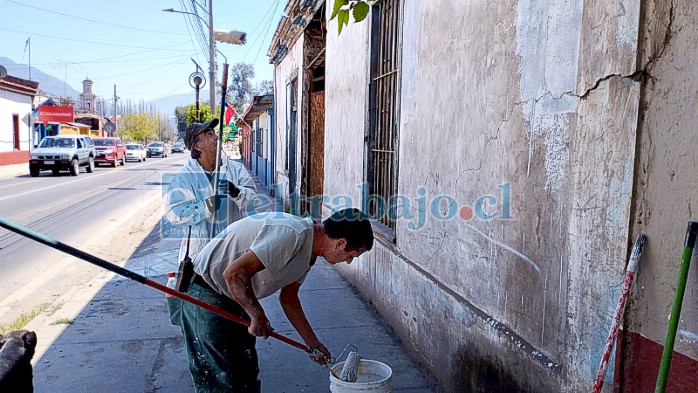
107, 213
100, 331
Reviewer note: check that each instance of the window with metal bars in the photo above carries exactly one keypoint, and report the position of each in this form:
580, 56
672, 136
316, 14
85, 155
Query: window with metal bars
384, 104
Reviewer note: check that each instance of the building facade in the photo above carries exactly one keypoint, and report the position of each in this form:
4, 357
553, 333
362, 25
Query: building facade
16, 118
259, 118
509, 153
297, 52
87, 98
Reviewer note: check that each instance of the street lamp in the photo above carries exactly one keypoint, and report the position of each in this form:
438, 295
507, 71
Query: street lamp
228, 36
197, 80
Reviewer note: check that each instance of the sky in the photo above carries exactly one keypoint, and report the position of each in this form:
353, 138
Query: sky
132, 43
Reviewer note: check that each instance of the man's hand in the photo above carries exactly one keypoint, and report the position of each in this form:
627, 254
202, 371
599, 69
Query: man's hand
227, 187
320, 354
260, 326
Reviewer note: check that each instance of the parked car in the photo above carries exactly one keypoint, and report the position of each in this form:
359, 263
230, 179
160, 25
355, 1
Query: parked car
157, 149
109, 151
135, 151
178, 148
63, 152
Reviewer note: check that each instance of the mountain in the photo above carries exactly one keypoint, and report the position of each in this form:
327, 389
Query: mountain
54, 87
50, 84
168, 104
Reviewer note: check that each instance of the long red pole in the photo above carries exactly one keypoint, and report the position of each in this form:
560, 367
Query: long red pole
53, 243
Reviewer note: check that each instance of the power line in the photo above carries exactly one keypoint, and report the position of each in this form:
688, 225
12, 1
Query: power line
94, 21
163, 96
141, 94
191, 30
265, 37
194, 21
93, 42
179, 61
203, 34
128, 54
261, 22
176, 64
271, 17
129, 63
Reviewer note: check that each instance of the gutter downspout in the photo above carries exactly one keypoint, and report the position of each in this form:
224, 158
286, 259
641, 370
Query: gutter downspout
272, 139
270, 169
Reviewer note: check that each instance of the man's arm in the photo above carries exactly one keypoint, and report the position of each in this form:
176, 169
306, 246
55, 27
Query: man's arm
291, 304
244, 182
185, 201
238, 278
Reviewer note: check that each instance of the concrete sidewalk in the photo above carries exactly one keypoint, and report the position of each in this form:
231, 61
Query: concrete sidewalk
119, 338
11, 170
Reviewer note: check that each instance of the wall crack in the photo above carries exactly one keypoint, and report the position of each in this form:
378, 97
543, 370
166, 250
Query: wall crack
644, 72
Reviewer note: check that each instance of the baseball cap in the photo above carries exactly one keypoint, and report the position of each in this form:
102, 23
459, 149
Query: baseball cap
195, 129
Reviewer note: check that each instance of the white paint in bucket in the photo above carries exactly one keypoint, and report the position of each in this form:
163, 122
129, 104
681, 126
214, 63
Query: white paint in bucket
373, 376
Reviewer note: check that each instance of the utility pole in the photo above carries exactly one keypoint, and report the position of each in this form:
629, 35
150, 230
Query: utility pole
29, 43
116, 119
231, 37
212, 59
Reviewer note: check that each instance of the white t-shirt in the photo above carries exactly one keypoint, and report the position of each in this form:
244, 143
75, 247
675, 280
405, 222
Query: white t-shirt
282, 242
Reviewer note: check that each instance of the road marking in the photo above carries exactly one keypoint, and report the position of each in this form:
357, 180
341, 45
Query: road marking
92, 176
143, 214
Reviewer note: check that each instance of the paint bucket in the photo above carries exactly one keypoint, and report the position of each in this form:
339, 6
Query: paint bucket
373, 377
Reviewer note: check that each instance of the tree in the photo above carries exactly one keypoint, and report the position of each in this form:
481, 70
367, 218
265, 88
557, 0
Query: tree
241, 89
264, 88
66, 101
182, 114
140, 126
204, 113
358, 8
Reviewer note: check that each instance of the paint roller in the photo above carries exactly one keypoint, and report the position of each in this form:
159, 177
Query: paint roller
350, 368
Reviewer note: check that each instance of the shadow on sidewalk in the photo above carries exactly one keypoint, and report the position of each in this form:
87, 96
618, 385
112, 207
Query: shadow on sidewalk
122, 341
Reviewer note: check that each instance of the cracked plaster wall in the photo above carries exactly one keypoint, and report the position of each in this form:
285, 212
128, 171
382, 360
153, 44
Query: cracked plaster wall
346, 90
538, 98
667, 191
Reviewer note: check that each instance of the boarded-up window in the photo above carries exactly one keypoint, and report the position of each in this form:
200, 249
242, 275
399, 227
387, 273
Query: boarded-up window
386, 33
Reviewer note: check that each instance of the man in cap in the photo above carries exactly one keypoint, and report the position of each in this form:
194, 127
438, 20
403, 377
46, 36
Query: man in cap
197, 209
254, 258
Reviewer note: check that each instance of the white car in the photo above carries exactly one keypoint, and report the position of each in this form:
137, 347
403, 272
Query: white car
135, 151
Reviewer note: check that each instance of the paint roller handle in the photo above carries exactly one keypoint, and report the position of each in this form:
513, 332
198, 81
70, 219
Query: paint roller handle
320, 354
260, 326
691, 234
665, 364
219, 311
43, 239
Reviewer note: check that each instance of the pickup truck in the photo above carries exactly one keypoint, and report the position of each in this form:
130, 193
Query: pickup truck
63, 152
109, 151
